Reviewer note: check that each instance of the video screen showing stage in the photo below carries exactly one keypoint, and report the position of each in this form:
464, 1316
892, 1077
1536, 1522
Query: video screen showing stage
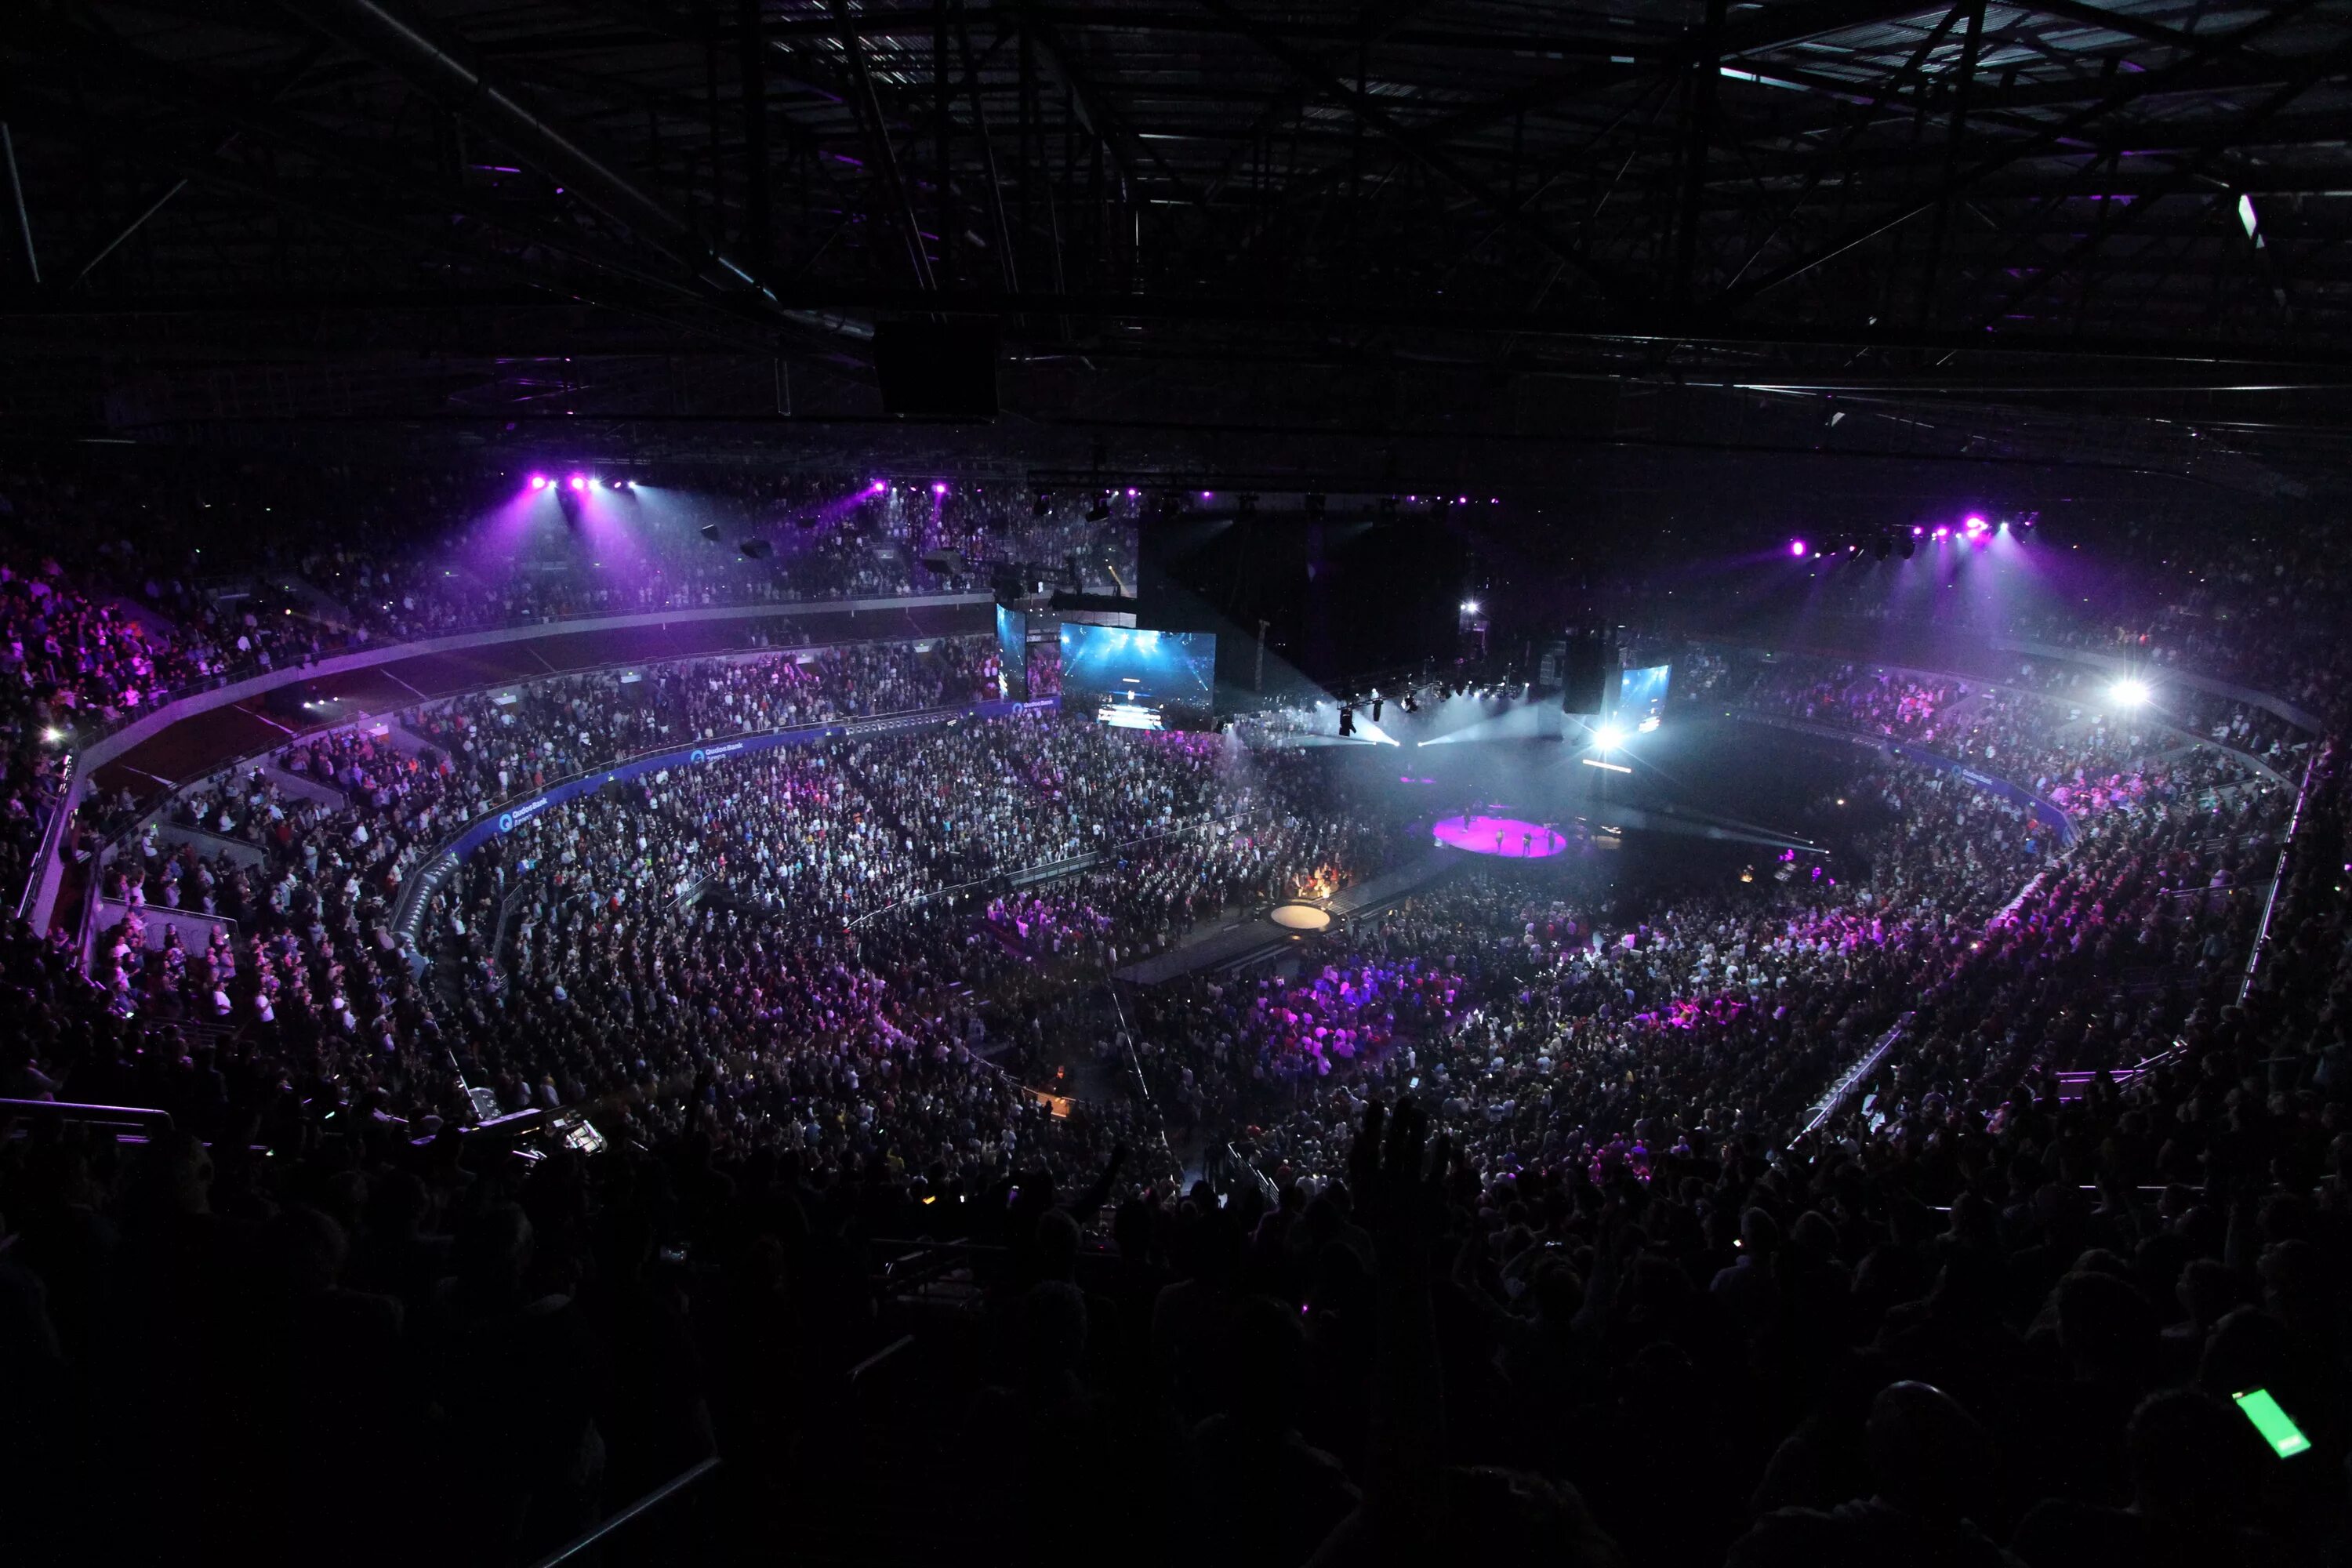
1140, 679
1642, 698
1012, 652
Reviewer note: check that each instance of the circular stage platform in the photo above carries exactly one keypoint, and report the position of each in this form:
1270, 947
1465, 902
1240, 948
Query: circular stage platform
1301, 917
1505, 836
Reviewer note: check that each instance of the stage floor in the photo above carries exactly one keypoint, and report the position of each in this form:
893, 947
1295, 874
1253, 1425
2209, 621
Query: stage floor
1505, 836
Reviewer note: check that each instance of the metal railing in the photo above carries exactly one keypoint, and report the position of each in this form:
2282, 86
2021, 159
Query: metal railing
146, 1120
1855, 1075
2278, 881
661, 1495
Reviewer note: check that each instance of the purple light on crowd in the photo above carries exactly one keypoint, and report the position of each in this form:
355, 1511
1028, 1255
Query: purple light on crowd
578, 481
539, 481
1797, 547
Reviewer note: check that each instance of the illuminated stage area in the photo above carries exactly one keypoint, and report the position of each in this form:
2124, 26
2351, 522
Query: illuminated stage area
1504, 836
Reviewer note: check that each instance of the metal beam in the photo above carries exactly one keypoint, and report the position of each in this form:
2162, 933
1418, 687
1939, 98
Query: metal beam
380, 34
1630, 332
1700, 111
2115, 217
751, 65
877, 141
2055, 136
24, 217
1444, 166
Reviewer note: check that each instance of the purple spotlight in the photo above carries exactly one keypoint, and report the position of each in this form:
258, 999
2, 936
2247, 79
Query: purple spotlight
1975, 524
877, 488
539, 481
1943, 532
1208, 495
578, 481
1917, 531
1130, 492
1797, 547
940, 488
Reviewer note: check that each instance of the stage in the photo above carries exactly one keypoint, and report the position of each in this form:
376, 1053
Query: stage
1507, 837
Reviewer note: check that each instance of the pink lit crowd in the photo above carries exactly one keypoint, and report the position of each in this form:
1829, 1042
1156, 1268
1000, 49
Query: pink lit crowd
1652, 1298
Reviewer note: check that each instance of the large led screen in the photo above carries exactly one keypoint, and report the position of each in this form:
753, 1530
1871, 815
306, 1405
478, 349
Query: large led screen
1140, 679
1642, 697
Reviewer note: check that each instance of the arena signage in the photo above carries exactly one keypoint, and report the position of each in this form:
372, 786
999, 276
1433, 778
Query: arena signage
510, 820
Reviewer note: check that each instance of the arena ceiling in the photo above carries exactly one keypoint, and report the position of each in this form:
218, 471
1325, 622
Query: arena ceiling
1304, 238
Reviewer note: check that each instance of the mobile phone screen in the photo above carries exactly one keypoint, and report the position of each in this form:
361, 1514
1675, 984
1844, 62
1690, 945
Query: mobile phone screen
2277, 1427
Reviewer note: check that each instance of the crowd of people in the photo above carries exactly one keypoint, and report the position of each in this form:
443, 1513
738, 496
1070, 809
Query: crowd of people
1518, 1216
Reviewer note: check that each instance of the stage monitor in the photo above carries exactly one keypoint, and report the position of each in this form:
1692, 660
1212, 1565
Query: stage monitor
1012, 652
1642, 698
1137, 680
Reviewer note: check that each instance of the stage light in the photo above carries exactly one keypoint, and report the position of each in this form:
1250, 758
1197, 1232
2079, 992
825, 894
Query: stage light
53, 734
539, 481
1974, 524
938, 487
2130, 691
1469, 606
1797, 548
1132, 492
1608, 736
1917, 531
1942, 533
578, 482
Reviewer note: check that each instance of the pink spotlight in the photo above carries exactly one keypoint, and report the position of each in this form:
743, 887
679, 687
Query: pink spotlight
1975, 524
1130, 492
539, 481
1943, 533
1797, 547
578, 481
1917, 531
